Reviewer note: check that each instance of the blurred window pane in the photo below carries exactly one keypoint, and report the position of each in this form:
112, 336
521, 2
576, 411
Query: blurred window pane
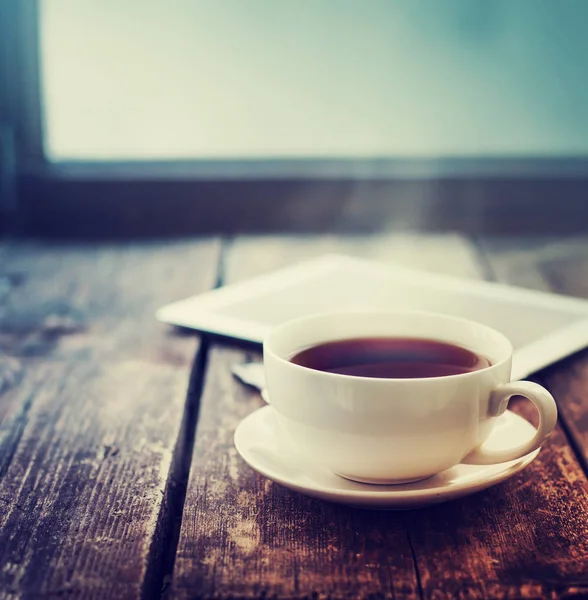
157, 79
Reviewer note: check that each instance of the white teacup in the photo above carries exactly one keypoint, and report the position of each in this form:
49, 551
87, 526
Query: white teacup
396, 430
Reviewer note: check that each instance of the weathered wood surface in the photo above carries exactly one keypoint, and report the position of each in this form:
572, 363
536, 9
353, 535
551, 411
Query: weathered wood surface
95, 430
243, 536
92, 398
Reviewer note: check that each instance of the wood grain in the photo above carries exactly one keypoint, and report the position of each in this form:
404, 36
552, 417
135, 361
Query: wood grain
245, 537
98, 301
526, 538
92, 414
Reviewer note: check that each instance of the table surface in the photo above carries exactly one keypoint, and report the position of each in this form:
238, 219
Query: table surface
118, 474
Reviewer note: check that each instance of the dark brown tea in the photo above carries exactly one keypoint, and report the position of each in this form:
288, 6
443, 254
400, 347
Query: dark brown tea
392, 358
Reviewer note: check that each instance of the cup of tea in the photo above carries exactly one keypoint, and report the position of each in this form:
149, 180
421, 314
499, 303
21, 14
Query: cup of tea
396, 396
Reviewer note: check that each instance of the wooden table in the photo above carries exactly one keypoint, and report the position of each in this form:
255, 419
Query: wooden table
118, 475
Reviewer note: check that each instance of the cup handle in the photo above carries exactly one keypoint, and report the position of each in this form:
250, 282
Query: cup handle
499, 399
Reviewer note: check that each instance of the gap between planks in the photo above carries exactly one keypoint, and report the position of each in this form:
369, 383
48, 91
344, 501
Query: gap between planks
163, 547
164, 543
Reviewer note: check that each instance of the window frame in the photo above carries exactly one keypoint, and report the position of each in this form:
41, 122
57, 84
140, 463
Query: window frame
20, 78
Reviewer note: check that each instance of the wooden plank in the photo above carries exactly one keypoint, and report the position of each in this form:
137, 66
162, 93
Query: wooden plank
93, 421
527, 538
98, 301
561, 266
82, 493
243, 536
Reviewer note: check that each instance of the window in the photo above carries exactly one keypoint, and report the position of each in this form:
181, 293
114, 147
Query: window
127, 79
292, 113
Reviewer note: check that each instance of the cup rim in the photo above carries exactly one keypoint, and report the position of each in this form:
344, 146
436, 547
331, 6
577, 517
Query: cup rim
340, 376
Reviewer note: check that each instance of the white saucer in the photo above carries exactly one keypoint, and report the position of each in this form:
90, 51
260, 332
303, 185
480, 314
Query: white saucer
260, 444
